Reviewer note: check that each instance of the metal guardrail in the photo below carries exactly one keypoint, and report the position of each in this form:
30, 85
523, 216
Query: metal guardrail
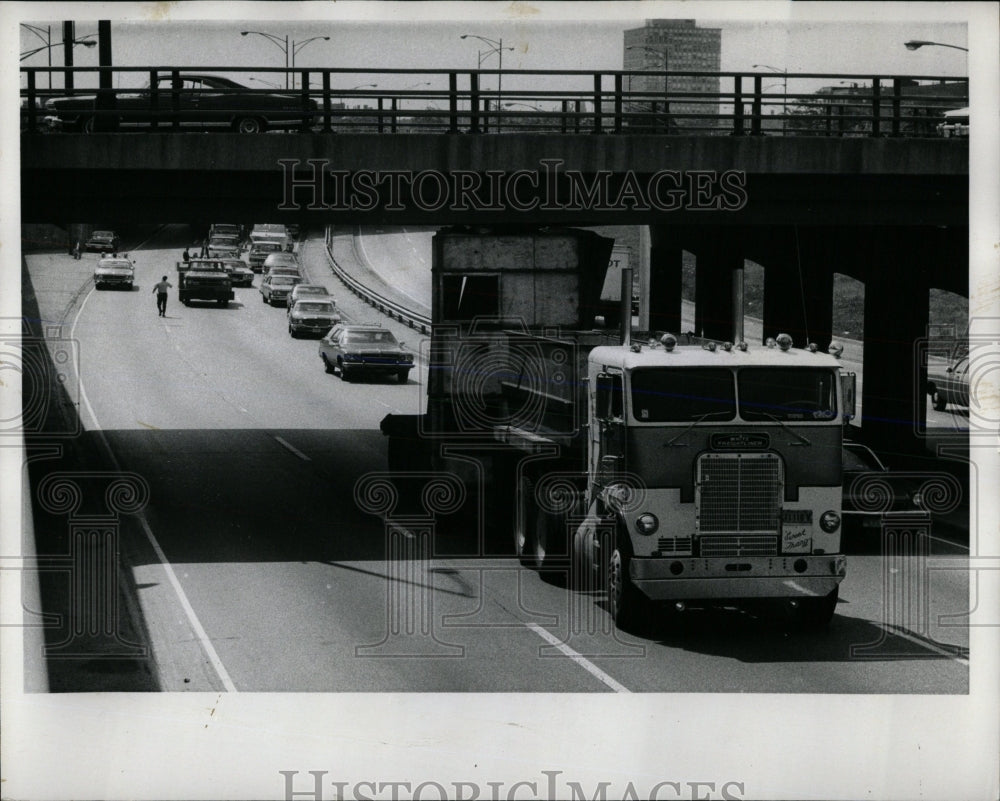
373, 298
540, 101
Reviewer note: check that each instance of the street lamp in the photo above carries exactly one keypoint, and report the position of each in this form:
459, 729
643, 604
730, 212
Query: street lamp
495, 46
916, 44
48, 42
359, 86
86, 43
665, 55
266, 83
784, 89
297, 46
280, 42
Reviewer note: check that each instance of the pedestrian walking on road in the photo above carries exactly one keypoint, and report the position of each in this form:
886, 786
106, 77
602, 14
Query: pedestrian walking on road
186, 256
161, 295
76, 250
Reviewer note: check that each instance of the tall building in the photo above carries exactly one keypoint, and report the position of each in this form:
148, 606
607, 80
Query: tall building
671, 45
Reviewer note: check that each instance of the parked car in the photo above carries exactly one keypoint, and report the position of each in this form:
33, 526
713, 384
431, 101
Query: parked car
862, 511
118, 272
950, 385
311, 316
205, 102
274, 289
239, 273
280, 259
103, 242
956, 123
311, 291
356, 350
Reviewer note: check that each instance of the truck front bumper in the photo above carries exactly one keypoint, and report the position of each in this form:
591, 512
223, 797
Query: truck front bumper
675, 578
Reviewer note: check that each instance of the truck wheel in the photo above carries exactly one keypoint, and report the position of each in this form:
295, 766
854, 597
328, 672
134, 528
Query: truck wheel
625, 603
940, 404
292, 332
263, 298
816, 613
524, 520
224, 303
550, 539
326, 363
403, 376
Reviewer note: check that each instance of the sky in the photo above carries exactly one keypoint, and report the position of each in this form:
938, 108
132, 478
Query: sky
850, 40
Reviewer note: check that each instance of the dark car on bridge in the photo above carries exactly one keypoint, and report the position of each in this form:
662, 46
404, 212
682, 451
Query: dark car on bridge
873, 493
202, 102
357, 350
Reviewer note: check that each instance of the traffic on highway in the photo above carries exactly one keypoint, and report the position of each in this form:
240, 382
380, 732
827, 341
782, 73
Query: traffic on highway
274, 525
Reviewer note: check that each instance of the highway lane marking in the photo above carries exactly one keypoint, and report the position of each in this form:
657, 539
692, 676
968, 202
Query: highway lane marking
898, 632
293, 449
200, 633
582, 661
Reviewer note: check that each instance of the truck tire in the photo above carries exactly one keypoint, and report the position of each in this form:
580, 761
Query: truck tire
326, 363
626, 604
403, 376
940, 404
816, 613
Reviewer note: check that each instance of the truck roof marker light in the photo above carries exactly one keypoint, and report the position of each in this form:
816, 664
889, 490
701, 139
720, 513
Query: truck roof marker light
741, 346
710, 346
812, 347
669, 342
727, 346
835, 349
784, 341
635, 347
769, 342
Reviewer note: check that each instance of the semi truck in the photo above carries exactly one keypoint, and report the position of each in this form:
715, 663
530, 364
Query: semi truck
667, 468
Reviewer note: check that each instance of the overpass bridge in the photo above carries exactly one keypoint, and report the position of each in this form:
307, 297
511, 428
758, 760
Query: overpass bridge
805, 182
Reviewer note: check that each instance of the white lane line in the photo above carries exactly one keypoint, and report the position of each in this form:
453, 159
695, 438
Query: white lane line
195, 624
293, 449
895, 631
582, 661
200, 634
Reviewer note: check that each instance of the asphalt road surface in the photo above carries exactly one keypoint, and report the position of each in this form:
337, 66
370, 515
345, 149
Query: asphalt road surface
262, 564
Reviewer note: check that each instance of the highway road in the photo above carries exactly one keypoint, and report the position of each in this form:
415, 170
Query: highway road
259, 566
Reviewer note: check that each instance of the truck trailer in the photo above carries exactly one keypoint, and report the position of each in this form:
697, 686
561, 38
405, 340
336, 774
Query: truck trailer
667, 468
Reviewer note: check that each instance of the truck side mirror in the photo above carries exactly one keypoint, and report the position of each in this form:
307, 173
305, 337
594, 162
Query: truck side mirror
848, 390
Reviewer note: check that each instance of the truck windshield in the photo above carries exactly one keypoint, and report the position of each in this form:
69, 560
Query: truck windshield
680, 396
768, 393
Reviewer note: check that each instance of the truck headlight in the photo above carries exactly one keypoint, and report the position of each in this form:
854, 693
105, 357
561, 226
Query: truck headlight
829, 521
646, 523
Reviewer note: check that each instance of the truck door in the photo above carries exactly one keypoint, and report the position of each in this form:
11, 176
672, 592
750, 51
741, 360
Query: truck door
608, 457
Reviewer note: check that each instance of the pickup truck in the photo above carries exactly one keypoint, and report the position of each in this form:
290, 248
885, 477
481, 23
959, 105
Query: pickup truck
204, 279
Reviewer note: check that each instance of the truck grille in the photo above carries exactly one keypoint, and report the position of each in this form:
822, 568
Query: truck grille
738, 545
673, 545
739, 493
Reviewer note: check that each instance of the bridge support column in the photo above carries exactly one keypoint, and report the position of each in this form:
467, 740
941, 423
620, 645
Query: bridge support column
896, 313
798, 287
713, 292
666, 261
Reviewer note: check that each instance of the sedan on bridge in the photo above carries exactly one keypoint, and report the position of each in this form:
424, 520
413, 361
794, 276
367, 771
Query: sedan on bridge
274, 289
873, 494
201, 102
312, 316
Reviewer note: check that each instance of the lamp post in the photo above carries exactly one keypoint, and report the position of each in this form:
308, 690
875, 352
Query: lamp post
665, 55
495, 46
784, 89
266, 83
48, 43
281, 42
297, 46
359, 86
916, 44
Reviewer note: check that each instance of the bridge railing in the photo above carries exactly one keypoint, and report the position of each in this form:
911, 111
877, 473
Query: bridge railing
491, 102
